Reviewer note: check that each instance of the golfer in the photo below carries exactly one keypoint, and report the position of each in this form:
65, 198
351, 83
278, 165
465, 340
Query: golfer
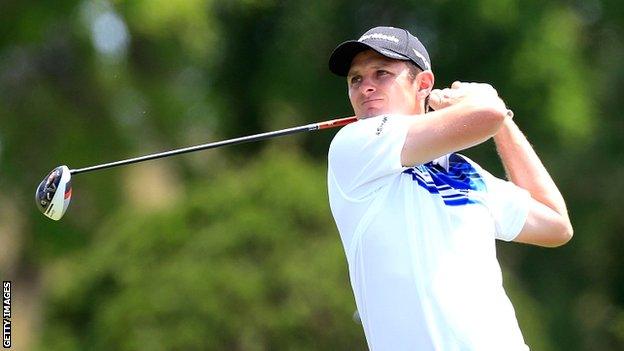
418, 221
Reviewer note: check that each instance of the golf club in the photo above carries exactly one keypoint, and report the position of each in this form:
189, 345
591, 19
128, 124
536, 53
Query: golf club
55, 190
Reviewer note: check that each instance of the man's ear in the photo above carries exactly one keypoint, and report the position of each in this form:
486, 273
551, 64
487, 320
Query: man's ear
425, 81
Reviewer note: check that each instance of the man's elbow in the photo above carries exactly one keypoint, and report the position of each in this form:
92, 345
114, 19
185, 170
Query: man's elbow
562, 234
568, 233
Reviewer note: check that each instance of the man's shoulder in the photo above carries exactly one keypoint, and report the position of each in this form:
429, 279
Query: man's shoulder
368, 127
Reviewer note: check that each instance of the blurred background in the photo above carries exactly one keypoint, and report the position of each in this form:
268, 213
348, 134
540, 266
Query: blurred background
235, 248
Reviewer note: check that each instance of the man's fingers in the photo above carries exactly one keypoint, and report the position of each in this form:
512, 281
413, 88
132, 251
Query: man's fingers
447, 93
482, 93
435, 98
441, 98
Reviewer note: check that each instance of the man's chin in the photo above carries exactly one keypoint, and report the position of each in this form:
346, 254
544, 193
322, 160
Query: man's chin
371, 113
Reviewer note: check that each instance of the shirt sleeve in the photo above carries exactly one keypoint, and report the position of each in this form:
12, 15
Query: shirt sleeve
365, 155
508, 204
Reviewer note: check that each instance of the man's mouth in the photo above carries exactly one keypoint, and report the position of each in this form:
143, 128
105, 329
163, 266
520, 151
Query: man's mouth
369, 101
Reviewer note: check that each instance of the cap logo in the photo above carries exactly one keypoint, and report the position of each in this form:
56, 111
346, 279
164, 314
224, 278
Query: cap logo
428, 66
391, 38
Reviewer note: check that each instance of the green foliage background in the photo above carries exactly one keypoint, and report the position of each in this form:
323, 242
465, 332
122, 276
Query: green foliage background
236, 248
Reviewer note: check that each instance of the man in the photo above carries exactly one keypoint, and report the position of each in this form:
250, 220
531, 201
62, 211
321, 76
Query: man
418, 221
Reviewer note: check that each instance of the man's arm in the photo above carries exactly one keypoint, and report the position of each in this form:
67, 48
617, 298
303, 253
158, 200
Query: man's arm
467, 114
547, 223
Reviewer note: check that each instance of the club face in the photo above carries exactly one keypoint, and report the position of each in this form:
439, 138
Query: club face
54, 193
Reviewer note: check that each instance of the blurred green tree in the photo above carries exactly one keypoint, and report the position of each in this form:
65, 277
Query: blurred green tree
83, 82
247, 260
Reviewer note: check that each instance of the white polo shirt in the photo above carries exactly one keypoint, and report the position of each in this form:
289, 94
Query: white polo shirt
420, 242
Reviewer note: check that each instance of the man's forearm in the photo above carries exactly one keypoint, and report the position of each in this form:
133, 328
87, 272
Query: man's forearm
525, 169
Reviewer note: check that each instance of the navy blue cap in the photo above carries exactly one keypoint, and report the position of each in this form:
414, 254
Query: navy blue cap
394, 43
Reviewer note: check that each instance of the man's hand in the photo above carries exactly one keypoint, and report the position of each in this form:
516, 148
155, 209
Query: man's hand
466, 114
473, 94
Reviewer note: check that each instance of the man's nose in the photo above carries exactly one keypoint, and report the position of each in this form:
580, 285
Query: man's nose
367, 87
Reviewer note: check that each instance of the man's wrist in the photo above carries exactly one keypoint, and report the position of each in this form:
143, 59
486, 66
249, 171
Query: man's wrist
505, 128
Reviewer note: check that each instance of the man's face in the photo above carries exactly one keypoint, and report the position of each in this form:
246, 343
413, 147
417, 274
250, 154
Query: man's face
379, 85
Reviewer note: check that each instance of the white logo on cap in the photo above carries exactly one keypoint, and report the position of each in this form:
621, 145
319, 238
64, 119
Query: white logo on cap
427, 65
379, 36
392, 54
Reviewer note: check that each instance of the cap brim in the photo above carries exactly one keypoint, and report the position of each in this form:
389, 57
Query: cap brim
340, 60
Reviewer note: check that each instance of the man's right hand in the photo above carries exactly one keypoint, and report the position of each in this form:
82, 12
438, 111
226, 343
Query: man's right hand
475, 94
466, 114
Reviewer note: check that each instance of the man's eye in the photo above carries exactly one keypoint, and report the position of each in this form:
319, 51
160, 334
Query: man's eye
355, 80
382, 72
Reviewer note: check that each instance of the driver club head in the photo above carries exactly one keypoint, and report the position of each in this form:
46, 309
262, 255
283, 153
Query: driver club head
54, 193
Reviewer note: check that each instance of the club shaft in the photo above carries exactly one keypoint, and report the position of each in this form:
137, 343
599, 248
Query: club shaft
245, 139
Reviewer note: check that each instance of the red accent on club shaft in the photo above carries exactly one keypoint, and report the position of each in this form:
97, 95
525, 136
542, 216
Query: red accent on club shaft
337, 122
